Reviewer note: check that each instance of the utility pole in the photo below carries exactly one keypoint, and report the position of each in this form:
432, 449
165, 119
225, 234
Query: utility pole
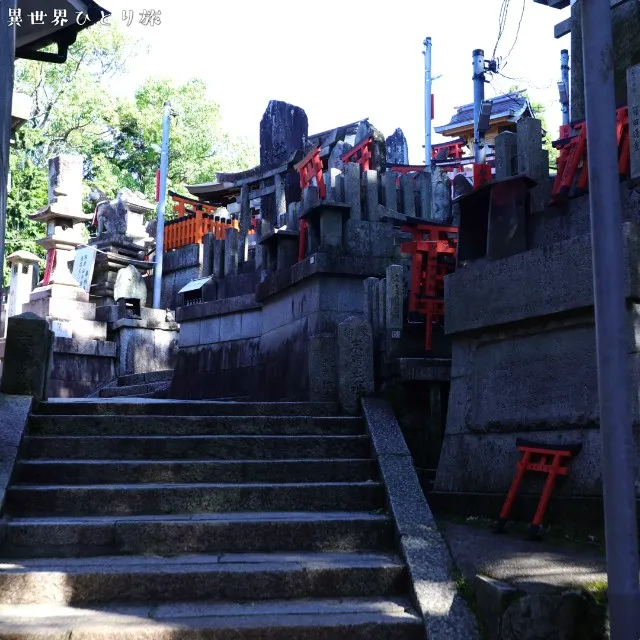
162, 202
607, 241
478, 99
7, 60
564, 89
427, 103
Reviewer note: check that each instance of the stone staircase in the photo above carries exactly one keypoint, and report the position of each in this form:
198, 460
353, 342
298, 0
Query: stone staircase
161, 520
140, 385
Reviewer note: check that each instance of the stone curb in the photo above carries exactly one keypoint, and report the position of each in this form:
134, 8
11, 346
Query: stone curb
14, 413
512, 614
444, 612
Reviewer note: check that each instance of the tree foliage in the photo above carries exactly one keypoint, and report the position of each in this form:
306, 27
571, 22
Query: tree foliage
75, 111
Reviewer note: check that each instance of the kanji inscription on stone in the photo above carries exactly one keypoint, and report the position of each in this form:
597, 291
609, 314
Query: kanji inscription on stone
633, 92
83, 267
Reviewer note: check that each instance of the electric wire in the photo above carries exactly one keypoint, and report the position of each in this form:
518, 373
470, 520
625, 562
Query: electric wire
502, 22
515, 40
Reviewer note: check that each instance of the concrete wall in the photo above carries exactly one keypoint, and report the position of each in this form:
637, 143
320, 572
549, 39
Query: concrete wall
524, 358
239, 347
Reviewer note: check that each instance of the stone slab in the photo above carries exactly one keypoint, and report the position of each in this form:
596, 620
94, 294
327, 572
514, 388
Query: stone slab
14, 414
550, 280
445, 614
355, 362
27, 356
85, 347
427, 369
217, 308
323, 369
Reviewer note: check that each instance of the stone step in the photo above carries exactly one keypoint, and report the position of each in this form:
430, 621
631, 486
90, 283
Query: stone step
186, 471
194, 447
90, 581
139, 390
158, 499
193, 425
321, 619
185, 408
254, 532
164, 375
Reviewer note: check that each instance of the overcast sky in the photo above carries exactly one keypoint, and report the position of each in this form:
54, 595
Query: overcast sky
343, 60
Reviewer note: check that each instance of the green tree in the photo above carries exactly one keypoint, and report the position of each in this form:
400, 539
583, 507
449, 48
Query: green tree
198, 145
74, 111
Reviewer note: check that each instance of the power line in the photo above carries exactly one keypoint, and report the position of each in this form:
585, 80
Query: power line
515, 40
502, 22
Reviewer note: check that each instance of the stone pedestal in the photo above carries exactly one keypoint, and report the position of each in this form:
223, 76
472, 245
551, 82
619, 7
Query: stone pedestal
68, 311
145, 342
114, 252
326, 220
281, 249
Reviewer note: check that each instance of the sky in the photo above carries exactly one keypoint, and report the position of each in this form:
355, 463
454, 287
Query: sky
343, 60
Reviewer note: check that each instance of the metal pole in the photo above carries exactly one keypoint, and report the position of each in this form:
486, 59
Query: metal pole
164, 169
618, 451
7, 60
427, 102
478, 98
564, 66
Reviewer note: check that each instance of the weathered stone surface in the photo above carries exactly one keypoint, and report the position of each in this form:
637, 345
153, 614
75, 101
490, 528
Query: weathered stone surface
14, 412
355, 362
445, 614
506, 155
245, 223
283, 129
370, 181
367, 130
633, 90
27, 356
625, 20
371, 301
65, 183
425, 195
335, 159
323, 368
352, 189
231, 252
533, 161
397, 148
390, 191
394, 297
130, 286
492, 598
407, 182
382, 308
440, 196
551, 616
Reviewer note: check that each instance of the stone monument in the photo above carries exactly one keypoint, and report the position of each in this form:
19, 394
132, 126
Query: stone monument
82, 357
24, 278
397, 148
121, 239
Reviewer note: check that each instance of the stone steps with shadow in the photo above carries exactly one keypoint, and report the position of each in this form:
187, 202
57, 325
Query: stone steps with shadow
237, 521
143, 390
